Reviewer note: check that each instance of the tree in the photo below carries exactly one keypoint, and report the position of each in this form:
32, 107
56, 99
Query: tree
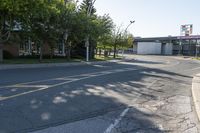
40, 21
106, 26
87, 8
67, 18
86, 5
24, 16
116, 38
122, 40
8, 16
48, 21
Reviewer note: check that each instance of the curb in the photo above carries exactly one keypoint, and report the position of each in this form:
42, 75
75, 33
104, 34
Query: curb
47, 65
196, 93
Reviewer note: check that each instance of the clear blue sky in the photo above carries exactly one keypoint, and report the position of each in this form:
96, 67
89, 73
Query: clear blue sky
153, 17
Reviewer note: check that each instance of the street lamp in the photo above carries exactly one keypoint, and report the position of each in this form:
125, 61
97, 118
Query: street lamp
87, 44
131, 22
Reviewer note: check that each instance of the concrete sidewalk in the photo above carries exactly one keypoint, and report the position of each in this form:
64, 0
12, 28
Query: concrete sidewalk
196, 93
43, 65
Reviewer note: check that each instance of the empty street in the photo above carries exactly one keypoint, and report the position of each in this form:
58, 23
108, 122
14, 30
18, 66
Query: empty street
143, 94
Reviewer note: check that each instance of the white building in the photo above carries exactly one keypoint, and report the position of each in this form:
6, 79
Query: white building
186, 45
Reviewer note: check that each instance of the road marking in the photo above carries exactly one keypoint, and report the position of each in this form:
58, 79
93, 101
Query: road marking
112, 126
20, 94
72, 76
59, 84
192, 69
73, 79
29, 86
148, 87
171, 65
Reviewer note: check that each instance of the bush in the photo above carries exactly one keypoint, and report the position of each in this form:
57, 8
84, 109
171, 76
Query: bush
7, 55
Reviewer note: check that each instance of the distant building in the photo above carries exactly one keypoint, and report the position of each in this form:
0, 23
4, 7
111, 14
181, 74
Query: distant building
171, 45
27, 47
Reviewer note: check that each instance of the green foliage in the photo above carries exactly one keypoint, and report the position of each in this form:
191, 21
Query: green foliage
47, 21
7, 55
86, 5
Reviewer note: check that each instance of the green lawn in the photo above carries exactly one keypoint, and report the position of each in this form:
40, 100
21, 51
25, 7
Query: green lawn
36, 61
97, 57
54, 60
198, 58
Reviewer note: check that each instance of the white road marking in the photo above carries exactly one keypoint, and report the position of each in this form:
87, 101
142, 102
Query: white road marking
112, 126
59, 84
99, 66
175, 64
20, 94
192, 69
160, 126
73, 79
30, 86
149, 86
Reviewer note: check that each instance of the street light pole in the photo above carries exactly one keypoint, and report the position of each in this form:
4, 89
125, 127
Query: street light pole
131, 22
87, 44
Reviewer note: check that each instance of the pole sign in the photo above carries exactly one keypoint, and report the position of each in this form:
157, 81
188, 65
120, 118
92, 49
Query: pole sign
186, 30
87, 43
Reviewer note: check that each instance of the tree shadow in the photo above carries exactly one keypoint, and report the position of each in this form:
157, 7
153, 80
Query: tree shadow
86, 98
142, 61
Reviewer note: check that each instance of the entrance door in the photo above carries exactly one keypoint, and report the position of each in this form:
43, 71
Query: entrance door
163, 48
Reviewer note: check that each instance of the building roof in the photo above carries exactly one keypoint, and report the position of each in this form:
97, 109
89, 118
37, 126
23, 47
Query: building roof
169, 38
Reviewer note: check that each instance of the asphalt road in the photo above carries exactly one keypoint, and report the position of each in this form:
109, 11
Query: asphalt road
141, 94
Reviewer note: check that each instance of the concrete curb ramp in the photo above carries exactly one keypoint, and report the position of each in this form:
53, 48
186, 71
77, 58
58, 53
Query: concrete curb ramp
44, 65
196, 93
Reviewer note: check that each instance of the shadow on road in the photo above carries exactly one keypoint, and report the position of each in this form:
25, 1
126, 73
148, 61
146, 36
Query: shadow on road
84, 99
143, 61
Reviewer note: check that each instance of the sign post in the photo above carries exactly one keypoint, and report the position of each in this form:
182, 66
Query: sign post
186, 30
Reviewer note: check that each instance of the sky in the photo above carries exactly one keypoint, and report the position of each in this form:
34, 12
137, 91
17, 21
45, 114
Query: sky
153, 18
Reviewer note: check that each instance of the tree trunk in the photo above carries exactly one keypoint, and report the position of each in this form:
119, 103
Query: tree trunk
100, 52
52, 52
104, 48
92, 52
41, 52
105, 53
96, 51
68, 53
2, 32
1, 54
109, 52
63, 48
115, 50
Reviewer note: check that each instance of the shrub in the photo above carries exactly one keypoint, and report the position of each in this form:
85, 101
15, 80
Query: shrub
7, 55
